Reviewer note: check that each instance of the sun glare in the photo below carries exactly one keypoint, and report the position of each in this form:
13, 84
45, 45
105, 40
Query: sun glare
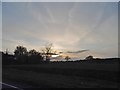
55, 55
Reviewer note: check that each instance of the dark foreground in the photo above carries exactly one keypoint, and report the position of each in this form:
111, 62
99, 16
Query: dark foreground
63, 75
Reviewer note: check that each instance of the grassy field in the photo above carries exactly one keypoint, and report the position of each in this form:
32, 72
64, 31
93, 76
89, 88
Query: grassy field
64, 75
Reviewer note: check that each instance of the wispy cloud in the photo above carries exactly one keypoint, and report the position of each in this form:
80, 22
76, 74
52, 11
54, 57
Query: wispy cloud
69, 26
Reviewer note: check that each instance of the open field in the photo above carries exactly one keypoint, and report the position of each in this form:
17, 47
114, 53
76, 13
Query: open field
64, 75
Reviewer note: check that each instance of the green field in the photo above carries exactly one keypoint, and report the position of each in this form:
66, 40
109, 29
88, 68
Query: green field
64, 75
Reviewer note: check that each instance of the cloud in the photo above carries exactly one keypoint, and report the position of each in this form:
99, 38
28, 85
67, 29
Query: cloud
69, 26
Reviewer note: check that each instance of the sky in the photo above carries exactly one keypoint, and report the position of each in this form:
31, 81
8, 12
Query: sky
69, 26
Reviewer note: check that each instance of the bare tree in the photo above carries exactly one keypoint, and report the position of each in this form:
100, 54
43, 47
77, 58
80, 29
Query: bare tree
67, 58
47, 51
48, 48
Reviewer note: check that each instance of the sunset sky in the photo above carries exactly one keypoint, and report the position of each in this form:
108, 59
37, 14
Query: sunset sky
69, 26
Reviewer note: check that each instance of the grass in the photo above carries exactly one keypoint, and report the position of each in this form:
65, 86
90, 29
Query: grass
63, 75
52, 80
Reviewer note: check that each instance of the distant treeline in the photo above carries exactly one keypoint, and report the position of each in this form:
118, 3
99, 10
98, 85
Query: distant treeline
22, 56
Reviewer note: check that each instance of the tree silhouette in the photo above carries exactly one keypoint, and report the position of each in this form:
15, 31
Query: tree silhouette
67, 58
33, 52
47, 51
34, 56
89, 57
21, 54
20, 50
